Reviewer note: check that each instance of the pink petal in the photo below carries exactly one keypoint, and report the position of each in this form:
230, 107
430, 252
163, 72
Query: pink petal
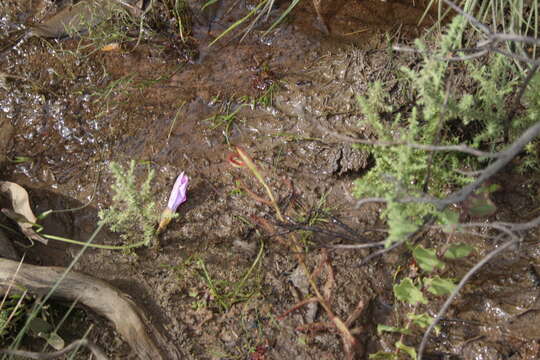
178, 193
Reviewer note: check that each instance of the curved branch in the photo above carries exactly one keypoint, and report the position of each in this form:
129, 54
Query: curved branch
99, 296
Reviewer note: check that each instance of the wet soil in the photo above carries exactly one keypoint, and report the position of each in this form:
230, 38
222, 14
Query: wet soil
156, 103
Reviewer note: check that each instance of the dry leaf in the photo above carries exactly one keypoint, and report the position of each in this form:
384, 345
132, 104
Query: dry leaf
21, 212
110, 47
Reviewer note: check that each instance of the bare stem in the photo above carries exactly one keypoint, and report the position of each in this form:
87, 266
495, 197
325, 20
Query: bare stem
96, 351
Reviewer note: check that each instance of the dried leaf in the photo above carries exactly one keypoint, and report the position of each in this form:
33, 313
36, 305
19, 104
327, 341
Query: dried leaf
20, 211
110, 47
75, 18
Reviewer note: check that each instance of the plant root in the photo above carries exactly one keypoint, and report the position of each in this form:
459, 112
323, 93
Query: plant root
97, 295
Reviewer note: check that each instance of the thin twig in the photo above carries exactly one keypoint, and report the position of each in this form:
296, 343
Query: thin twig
469, 17
503, 158
457, 148
96, 351
382, 251
298, 306
517, 100
356, 246
509, 229
454, 293
485, 46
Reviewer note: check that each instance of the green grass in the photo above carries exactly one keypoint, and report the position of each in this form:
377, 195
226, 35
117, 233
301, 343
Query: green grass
226, 293
506, 16
225, 119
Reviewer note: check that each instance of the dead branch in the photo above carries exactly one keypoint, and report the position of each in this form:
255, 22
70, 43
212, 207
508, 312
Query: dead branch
97, 295
517, 100
485, 46
298, 306
454, 148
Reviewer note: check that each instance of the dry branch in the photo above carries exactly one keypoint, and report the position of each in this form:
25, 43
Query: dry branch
503, 158
97, 295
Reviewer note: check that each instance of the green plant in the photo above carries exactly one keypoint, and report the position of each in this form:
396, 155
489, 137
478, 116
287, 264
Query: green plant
181, 13
226, 119
18, 308
241, 159
12, 312
509, 16
100, 25
227, 293
444, 114
412, 293
454, 104
133, 210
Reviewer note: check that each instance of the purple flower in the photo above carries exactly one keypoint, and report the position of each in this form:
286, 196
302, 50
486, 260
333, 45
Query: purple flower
177, 197
178, 193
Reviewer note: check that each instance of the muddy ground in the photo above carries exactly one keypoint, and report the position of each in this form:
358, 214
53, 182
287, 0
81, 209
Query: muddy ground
76, 110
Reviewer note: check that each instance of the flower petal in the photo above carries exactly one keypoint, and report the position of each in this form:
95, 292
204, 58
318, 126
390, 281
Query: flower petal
178, 193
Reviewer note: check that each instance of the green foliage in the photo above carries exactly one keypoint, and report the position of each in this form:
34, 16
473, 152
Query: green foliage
381, 355
18, 309
453, 103
181, 14
426, 258
133, 211
385, 328
422, 320
531, 100
457, 251
407, 292
10, 315
439, 286
226, 118
407, 349
481, 206
227, 293
471, 113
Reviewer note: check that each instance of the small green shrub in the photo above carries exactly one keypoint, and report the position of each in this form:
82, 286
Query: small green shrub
454, 103
133, 211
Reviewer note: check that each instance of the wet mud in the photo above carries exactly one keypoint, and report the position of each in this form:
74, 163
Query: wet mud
162, 103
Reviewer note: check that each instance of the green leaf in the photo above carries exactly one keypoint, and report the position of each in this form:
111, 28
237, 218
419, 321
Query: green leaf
38, 325
423, 320
407, 292
55, 341
439, 286
457, 251
449, 217
427, 259
408, 349
208, 3
489, 189
383, 355
386, 328
482, 206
